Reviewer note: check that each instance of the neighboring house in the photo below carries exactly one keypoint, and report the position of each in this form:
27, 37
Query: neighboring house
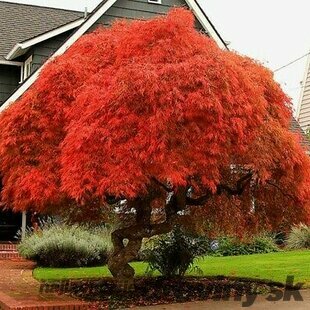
32, 35
303, 111
305, 142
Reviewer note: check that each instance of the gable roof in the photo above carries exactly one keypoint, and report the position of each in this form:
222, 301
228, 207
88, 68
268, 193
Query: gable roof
206, 23
100, 10
303, 111
22, 22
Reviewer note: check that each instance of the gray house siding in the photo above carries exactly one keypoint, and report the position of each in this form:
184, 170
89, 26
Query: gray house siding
9, 80
138, 9
10, 75
42, 51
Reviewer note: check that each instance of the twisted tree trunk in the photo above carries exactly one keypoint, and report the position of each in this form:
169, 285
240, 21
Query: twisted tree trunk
122, 255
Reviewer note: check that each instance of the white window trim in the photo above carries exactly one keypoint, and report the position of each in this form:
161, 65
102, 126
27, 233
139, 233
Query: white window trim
27, 65
21, 74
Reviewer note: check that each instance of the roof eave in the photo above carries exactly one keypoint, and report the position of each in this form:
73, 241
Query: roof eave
205, 22
14, 52
21, 48
10, 63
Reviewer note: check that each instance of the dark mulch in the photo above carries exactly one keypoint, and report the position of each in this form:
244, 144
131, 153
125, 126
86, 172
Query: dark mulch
154, 291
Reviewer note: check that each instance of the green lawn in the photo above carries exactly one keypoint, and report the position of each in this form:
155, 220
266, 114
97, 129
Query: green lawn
271, 267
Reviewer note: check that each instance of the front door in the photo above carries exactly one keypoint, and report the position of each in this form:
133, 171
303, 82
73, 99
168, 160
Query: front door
10, 224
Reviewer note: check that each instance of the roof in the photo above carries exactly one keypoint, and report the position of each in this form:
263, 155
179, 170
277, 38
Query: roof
213, 32
296, 128
92, 18
303, 111
21, 22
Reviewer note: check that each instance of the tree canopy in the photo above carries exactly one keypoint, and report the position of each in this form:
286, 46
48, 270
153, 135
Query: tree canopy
147, 107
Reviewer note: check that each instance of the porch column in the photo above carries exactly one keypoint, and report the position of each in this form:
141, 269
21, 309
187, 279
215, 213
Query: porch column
24, 218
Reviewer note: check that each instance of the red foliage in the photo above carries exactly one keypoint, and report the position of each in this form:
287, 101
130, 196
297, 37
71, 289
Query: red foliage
152, 99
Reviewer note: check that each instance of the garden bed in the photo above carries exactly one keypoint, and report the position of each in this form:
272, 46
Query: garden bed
158, 290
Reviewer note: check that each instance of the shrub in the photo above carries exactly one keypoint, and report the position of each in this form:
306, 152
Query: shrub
229, 246
60, 245
299, 237
172, 254
262, 244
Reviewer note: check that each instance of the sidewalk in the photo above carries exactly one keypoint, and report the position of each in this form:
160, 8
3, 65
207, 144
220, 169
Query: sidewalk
19, 290
260, 303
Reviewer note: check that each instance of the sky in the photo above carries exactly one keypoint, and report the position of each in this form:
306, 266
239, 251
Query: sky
275, 32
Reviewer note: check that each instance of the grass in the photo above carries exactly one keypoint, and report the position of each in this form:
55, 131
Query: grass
273, 267
57, 274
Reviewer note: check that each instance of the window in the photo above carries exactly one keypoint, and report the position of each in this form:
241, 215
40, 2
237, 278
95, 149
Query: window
27, 68
154, 1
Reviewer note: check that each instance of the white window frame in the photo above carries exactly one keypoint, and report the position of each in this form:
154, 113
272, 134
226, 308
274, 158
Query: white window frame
154, 1
27, 68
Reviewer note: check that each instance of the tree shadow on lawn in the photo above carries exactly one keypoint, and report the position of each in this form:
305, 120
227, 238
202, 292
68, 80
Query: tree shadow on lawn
159, 290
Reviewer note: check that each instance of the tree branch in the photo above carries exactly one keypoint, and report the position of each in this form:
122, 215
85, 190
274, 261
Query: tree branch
240, 186
281, 190
165, 187
198, 201
112, 200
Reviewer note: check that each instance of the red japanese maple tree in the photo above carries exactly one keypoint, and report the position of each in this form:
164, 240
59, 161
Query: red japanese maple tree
153, 109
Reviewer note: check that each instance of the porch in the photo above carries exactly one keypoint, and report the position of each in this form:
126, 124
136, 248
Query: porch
12, 226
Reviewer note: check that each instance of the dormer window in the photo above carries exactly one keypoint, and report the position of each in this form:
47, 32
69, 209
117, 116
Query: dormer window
27, 68
154, 1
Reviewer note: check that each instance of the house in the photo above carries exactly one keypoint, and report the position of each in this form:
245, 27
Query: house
29, 35
33, 35
303, 111
296, 128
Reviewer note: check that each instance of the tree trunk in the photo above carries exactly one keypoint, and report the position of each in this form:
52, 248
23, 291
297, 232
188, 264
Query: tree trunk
122, 255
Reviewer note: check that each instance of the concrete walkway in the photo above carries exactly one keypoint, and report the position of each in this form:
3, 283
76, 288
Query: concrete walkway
19, 290
259, 303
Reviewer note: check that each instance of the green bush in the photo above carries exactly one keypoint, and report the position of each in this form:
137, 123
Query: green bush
60, 245
230, 246
262, 244
172, 254
299, 237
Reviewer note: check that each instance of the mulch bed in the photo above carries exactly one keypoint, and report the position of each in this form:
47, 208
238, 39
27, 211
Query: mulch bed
153, 291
